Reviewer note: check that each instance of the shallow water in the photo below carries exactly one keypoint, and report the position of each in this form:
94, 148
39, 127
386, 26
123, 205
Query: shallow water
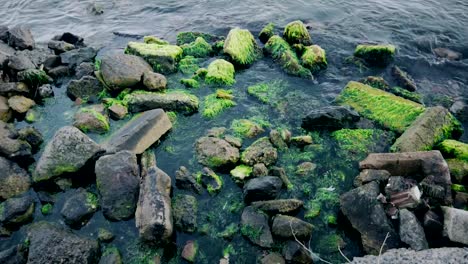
416, 27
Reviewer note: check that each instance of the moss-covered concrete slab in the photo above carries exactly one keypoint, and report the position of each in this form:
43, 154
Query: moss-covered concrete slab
162, 58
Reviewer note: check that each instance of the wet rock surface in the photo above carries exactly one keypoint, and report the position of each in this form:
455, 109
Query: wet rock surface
13, 180
331, 118
285, 226
78, 207
216, 152
260, 189
121, 71
255, 227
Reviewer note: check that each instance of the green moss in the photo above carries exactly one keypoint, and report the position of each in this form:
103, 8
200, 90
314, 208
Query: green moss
283, 54
376, 82
297, 33
188, 37
331, 220
172, 116
357, 143
218, 181
268, 93
220, 72
31, 116
34, 77
459, 188
228, 251
218, 47
329, 243
241, 172
190, 83
188, 65
267, 32
199, 48
97, 64
154, 40
454, 149
216, 103
313, 209
314, 58
378, 55
161, 57
100, 117
200, 74
458, 169
415, 97
245, 128
241, 46
92, 200
251, 232
390, 111
46, 209
230, 231
64, 169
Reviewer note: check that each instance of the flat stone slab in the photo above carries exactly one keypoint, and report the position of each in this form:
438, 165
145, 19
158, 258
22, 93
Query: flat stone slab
140, 133
403, 255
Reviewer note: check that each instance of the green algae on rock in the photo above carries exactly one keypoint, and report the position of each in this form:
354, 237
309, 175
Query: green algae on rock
455, 149
200, 74
220, 72
215, 104
376, 82
199, 48
314, 58
241, 46
154, 40
188, 37
92, 119
261, 151
209, 179
190, 83
375, 55
296, 33
247, 128
285, 56
458, 169
174, 100
34, 77
415, 97
267, 32
162, 58
357, 143
388, 110
241, 172
188, 65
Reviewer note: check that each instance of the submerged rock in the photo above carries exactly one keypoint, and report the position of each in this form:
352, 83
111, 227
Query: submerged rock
448, 54
255, 227
261, 151
403, 79
261, 189
376, 82
267, 32
67, 151
314, 58
187, 181
215, 152
179, 101
411, 231
20, 37
153, 216
330, 118
16, 211
162, 58
209, 179
140, 133
50, 243
281, 206
120, 71
79, 207
92, 119
375, 55
111, 256
283, 226
241, 46
117, 179
220, 72
272, 258
185, 209
13, 180
296, 33
87, 87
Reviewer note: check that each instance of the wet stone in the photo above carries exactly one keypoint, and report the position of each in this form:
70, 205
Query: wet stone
118, 111
283, 226
20, 37
330, 118
79, 207
411, 231
280, 206
261, 189
16, 211
259, 170
184, 208
186, 181
87, 88
254, 226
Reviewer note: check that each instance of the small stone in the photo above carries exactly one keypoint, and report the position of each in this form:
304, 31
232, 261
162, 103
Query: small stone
190, 251
31, 135
259, 170
84, 69
120, 71
330, 118
277, 140
45, 91
20, 103
20, 37
13, 180
17, 210
305, 168
154, 81
280, 206
216, 152
403, 79
284, 225
263, 188
105, 235
261, 151
448, 54
118, 111
234, 141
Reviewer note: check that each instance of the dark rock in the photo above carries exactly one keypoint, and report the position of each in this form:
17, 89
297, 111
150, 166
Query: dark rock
403, 79
215, 152
261, 151
111, 256
140, 133
10, 145
50, 243
70, 38
85, 88
432, 222
16, 211
260, 189
5, 111
184, 209
117, 178
330, 118
281, 206
402, 255
121, 71
67, 151
281, 173
460, 110
295, 253
45, 91
60, 46
185, 180
117, 111
75, 57
272, 258
84, 69
154, 81
34, 77
255, 227
51, 62
397, 184
259, 170
14, 255
283, 226
59, 71
4, 33
45, 197
411, 231
153, 216
460, 201
32, 136
20, 37
38, 55
277, 140
448, 54
13, 88
456, 224
79, 207
374, 228
20, 63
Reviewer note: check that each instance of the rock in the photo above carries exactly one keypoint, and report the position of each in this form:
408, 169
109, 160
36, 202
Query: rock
13, 180
261, 151
87, 88
246, 128
184, 209
432, 223
448, 54
20, 37
84, 69
241, 46
216, 152
14, 255
79, 206
4, 33
162, 58
13, 88
60, 46
121, 71
277, 140
378, 55
460, 110
367, 176
45, 91
186, 181
92, 119
140, 133
20, 63
51, 62
37, 56
403, 79
301, 141
295, 253
240, 173
456, 224
50, 243
20, 104
16, 211
67, 151
403, 255
454, 149
283, 226
376, 82
267, 32
272, 258
296, 33
34, 77
281, 206
234, 141
210, 180
305, 168
117, 179
430, 128
458, 169
388, 110
10, 145
330, 118
363, 201
261, 189
178, 101
75, 57
5, 111
111, 256
153, 216
281, 173
259, 170
314, 58
59, 71
105, 235
255, 227
190, 251
154, 81
411, 231
70, 38
118, 111
220, 72
198, 48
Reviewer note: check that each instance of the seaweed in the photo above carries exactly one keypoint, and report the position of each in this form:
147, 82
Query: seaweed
220, 72
314, 58
241, 46
199, 48
296, 33
216, 103
376, 55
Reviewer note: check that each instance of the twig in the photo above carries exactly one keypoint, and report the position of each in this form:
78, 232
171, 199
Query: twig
311, 253
343, 255
381, 248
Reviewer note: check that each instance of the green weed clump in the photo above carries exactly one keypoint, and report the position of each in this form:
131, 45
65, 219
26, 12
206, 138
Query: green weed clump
241, 46
216, 103
199, 48
297, 33
220, 72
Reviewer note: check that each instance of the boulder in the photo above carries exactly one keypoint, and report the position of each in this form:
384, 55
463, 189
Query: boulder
5, 111
51, 243
79, 206
255, 227
277, 140
86, 88
13, 180
185, 209
240, 173
92, 119
454, 149
458, 169
220, 72
403, 79
16, 211
153, 216
52, 61
14, 255
10, 145
261, 151
456, 224
140, 133
430, 128
20, 104
120, 71
241, 46
154, 81
283, 226
162, 58
360, 202
378, 55
45, 91
411, 231
215, 152
187, 181
67, 151
295, 253
13, 88
59, 71
330, 118
34, 77
75, 57
178, 101
369, 175
280, 206
296, 33
20, 62
20, 37
261, 189
117, 179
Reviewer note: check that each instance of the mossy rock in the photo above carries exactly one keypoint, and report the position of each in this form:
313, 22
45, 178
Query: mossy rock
241, 46
215, 104
415, 97
458, 169
357, 143
296, 33
261, 151
246, 128
154, 40
189, 37
210, 180
220, 72
388, 110
314, 58
162, 58
34, 77
241, 172
375, 55
285, 56
198, 49
376, 82
267, 32
190, 83
188, 65
454, 149
91, 119
174, 100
